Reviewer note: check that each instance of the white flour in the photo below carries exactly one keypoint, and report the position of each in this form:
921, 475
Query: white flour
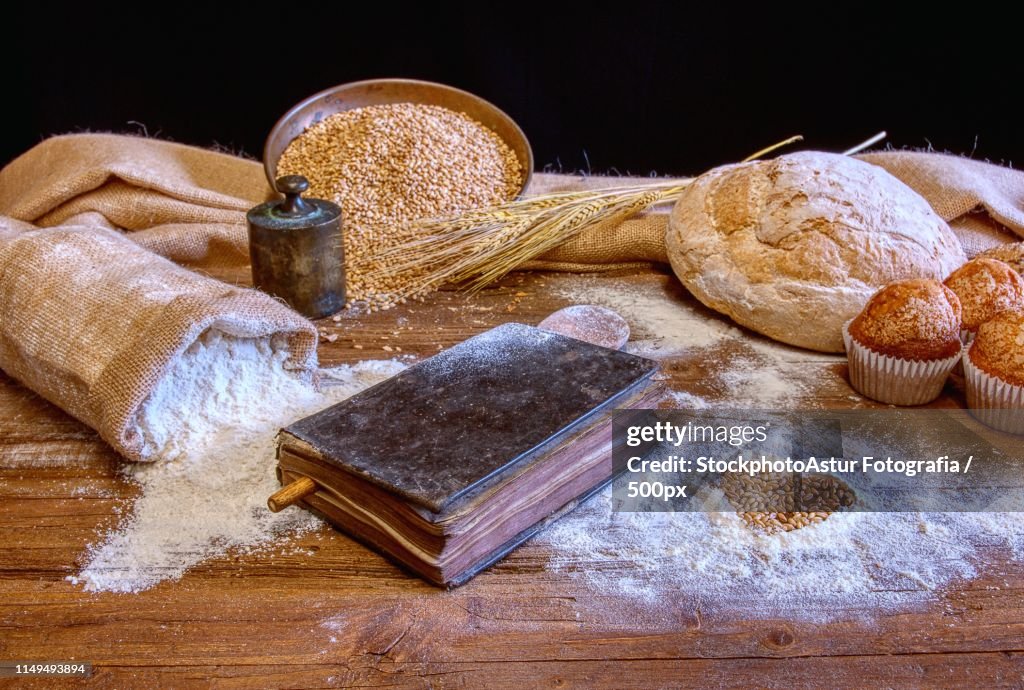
760, 373
851, 565
213, 419
687, 401
659, 323
210, 427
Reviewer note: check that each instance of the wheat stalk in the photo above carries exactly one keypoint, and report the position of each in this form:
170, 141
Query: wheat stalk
483, 245
768, 149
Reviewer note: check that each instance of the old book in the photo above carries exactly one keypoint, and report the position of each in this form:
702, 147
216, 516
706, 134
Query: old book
449, 465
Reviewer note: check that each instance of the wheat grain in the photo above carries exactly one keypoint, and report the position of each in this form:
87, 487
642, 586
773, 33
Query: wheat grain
389, 164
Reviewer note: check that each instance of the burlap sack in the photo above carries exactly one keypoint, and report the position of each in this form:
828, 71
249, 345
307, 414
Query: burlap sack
91, 321
90, 317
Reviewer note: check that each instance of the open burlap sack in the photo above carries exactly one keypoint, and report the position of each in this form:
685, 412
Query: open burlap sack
92, 312
91, 321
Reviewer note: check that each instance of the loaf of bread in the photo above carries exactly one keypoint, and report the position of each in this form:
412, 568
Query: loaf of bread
793, 247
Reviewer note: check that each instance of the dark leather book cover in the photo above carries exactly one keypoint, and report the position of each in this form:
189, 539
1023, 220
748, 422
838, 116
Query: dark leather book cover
462, 418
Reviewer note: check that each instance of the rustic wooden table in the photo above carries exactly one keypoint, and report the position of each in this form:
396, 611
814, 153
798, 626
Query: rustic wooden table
333, 614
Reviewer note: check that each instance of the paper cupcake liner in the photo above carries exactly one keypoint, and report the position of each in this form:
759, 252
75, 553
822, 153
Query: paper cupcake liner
892, 380
992, 401
966, 338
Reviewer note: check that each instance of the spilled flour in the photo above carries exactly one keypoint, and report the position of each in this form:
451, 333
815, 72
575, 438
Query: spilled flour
851, 565
758, 372
209, 428
212, 421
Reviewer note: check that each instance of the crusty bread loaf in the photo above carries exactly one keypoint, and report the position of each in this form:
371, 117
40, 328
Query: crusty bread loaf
793, 247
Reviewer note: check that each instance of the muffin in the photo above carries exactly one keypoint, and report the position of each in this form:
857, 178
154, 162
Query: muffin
985, 288
904, 343
1011, 253
994, 373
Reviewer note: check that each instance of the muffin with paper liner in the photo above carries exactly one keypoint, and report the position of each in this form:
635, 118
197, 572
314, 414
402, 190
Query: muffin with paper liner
1011, 253
994, 372
985, 287
905, 342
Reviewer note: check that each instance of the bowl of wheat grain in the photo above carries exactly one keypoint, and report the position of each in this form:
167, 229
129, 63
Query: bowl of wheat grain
390, 152
399, 103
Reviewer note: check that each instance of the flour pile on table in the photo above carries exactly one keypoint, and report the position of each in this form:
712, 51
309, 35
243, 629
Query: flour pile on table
209, 427
851, 564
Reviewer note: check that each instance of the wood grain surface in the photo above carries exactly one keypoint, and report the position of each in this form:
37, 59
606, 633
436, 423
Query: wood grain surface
325, 612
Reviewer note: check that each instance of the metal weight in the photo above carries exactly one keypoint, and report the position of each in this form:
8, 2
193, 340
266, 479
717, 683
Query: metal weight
295, 247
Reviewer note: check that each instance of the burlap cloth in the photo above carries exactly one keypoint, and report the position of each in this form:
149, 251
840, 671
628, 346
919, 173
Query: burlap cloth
95, 230
983, 204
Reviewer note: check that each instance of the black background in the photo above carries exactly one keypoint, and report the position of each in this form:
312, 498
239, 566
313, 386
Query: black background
655, 87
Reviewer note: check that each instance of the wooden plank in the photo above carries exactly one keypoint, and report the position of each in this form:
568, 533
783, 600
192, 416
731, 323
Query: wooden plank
378, 670
546, 617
